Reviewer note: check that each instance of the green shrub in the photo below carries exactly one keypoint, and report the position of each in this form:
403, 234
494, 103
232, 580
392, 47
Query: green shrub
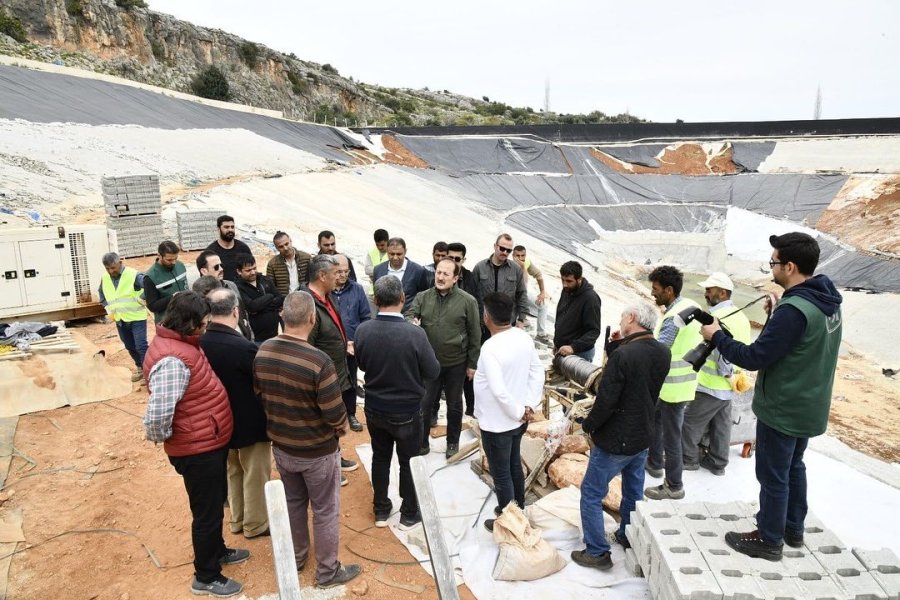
249, 53
329, 69
12, 26
211, 83
129, 4
75, 8
299, 85
159, 51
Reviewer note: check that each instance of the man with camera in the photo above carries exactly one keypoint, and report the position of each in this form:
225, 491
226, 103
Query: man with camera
710, 411
796, 356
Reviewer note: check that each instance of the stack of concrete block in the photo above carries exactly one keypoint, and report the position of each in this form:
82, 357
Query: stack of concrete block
134, 211
197, 228
680, 548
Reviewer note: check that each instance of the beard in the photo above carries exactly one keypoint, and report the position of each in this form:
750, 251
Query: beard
227, 237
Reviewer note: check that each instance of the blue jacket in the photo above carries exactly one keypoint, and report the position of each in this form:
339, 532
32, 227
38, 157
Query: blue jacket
415, 280
353, 304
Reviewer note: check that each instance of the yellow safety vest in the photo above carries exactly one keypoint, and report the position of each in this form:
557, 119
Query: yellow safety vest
123, 302
739, 326
681, 382
376, 258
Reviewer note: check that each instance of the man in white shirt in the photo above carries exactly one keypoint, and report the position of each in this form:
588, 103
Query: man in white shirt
508, 385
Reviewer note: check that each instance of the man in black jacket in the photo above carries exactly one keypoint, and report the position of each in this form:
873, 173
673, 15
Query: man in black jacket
577, 314
249, 454
397, 359
620, 423
260, 297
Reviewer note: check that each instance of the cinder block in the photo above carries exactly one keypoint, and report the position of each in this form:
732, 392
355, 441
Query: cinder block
728, 563
692, 510
632, 565
820, 539
885, 568
797, 561
859, 585
692, 583
838, 560
730, 511
738, 586
778, 587
819, 587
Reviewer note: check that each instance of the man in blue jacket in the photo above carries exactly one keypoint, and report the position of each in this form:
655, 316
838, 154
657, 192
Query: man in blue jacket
354, 308
796, 356
412, 275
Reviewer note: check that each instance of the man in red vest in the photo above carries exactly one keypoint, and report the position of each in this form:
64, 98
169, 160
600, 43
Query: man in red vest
189, 412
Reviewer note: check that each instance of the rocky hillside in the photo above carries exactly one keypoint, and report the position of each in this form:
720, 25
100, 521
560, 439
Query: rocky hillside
124, 38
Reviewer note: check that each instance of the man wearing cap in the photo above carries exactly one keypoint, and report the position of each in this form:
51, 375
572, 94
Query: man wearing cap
711, 407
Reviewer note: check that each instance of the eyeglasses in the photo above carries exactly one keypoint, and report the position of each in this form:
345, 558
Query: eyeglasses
217, 268
772, 263
504, 250
457, 258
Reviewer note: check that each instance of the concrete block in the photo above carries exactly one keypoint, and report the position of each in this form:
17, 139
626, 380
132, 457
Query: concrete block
728, 563
819, 587
820, 539
838, 560
729, 511
778, 587
859, 585
738, 586
799, 561
885, 568
692, 583
644, 507
631, 563
693, 510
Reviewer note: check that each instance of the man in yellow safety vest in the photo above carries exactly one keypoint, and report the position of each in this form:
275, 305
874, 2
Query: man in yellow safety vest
375, 257
121, 290
678, 388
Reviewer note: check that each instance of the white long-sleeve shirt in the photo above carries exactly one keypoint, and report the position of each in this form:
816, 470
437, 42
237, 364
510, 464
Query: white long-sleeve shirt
509, 377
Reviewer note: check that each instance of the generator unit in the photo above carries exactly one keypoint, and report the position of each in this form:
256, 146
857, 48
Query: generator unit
52, 272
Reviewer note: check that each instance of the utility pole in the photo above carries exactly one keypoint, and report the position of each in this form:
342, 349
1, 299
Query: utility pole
817, 113
547, 96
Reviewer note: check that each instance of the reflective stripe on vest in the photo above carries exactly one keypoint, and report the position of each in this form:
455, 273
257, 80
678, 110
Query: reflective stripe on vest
681, 382
739, 327
123, 302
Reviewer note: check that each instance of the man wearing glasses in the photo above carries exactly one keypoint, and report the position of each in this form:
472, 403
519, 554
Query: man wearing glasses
209, 265
796, 356
497, 273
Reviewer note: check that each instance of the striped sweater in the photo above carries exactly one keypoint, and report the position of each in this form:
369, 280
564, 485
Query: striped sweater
301, 396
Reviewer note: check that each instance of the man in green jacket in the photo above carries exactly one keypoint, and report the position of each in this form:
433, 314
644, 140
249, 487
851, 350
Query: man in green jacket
164, 279
796, 356
449, 317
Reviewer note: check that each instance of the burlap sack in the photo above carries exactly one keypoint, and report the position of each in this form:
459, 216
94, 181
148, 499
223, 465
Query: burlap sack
524, 554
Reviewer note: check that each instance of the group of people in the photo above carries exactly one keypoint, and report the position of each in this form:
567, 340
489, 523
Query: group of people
652, 410
246, 366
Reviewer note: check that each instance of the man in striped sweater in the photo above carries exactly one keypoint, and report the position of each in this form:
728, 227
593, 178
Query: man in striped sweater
305, 417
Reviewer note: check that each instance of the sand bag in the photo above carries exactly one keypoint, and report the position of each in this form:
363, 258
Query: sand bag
524, 554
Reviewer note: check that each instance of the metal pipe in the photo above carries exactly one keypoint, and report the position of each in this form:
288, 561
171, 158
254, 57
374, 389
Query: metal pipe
575, 368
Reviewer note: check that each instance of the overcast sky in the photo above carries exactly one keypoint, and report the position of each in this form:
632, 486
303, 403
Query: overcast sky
697, 61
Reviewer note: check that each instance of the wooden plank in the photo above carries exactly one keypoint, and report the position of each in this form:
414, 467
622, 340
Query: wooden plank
441, 565
282, 543
464, 452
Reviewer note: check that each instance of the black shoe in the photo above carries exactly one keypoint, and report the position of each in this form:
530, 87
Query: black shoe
752, 545
709, 466
348, 465
381, 518
470, 412
343, 575
424, 450
451, 450
489, 525
623, 541
794, 540
408, 522
691, 466
220, 587
355, 425
602, 562
234, 556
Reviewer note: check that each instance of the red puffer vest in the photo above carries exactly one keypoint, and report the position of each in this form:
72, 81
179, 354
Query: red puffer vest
202, 420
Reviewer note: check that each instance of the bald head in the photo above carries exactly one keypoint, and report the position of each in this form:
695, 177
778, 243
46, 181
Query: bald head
223, 305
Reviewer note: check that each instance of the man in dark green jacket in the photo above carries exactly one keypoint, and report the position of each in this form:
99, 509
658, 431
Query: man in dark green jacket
449, 317
164, 279
796, 355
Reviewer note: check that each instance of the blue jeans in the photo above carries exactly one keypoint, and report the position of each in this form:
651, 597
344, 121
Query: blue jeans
134, 337
782, 483
587, 355
602, 467
504, 459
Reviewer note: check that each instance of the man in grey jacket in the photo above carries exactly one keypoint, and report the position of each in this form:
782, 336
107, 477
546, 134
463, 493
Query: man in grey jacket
499, 274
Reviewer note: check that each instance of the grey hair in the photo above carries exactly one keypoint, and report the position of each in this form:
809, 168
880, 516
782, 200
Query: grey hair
321, 263
388, 291
110, 258
222, 302
645, 315
297, 308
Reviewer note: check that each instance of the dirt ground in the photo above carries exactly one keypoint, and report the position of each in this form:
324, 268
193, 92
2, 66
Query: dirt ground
869, 220
398, 154
101, 505
684, 159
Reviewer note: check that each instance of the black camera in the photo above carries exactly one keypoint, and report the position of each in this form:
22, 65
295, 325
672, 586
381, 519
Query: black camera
698, 355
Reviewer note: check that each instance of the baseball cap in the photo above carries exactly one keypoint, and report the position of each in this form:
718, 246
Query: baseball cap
719, 280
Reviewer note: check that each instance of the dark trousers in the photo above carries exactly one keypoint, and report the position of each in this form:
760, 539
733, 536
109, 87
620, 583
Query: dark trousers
706, 413
450, 381
782, 483
667, 438
349, 396
205, 480
469, 393
505, 462
386, 430
134, 337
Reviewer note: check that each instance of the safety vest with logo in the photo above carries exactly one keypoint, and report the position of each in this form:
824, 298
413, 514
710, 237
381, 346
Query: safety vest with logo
739, 326
123, 302
376, 257
681, 382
